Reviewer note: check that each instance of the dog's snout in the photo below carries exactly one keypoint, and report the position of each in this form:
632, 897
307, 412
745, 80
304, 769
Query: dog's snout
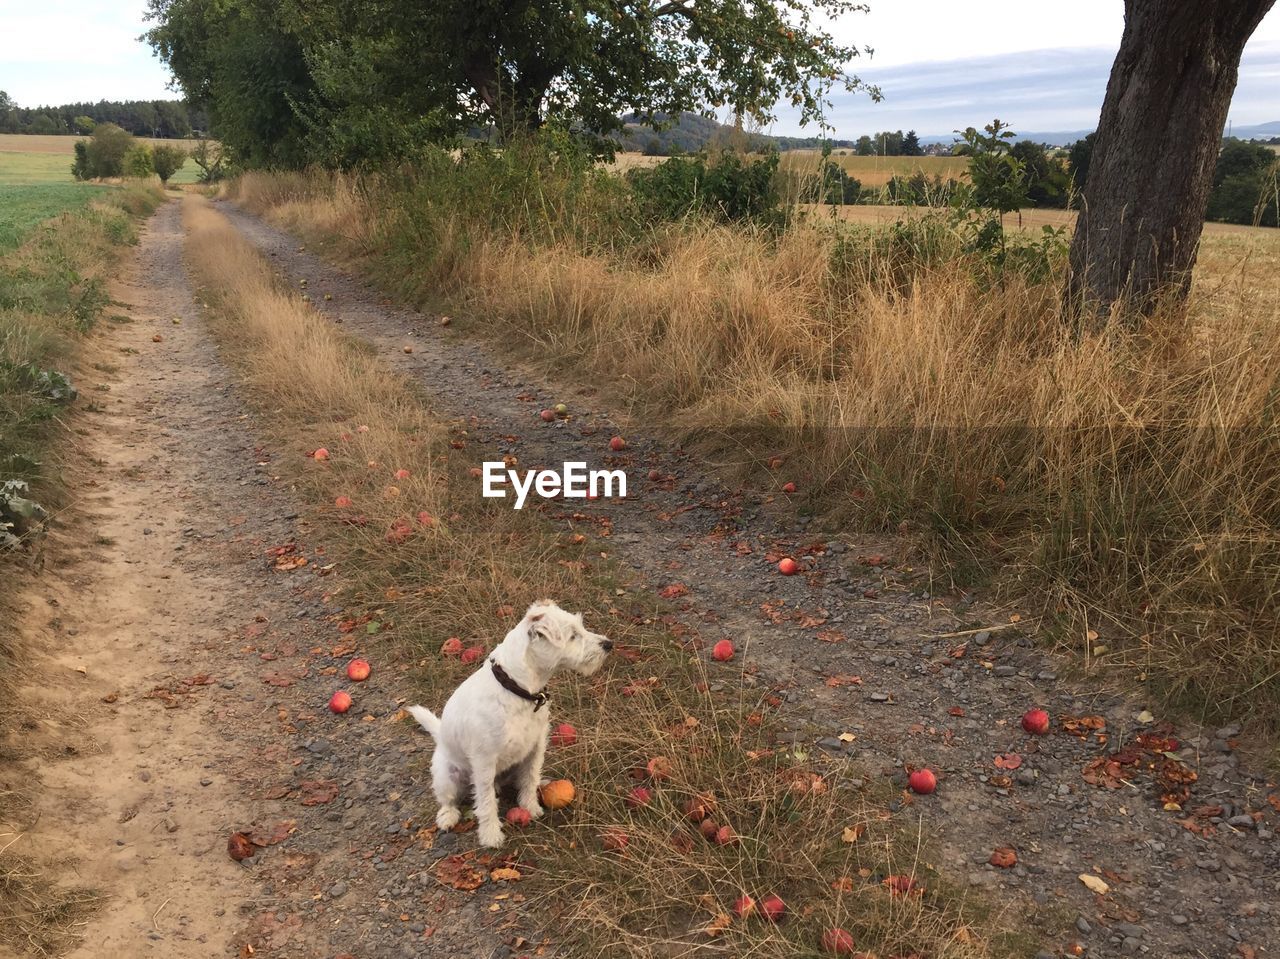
607, 645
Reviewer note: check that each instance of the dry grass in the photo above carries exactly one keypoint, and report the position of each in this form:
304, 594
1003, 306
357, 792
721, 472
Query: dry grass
61, 145
470, 572
1258, 240
1132, 474
877, 171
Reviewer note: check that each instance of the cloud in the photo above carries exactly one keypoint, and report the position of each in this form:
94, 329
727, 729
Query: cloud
1035, 91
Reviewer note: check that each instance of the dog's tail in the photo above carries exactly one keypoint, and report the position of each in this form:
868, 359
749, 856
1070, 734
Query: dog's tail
426, 719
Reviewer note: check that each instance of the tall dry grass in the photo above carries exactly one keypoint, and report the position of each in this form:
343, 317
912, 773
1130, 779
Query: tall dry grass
470, 570
1130, 476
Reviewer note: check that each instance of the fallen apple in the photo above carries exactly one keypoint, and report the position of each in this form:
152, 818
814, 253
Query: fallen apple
358, 670
321, 454
564, 735
471, 654
614, 840
240, 847
445, 320
426, 519
838, 942
922, 781
340, 701
639, 796
451, 647
788, 488
343, 502
1035, 721
548, 416
402, 474
561, 409
655, 475
722, 651
788, 566
772, 908
399, 532
408, 349
557, 794
659, 768
725, 836
744, 906
708, 828
617, 444
519, 816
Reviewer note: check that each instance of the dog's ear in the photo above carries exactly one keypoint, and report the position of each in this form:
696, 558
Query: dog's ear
541, 628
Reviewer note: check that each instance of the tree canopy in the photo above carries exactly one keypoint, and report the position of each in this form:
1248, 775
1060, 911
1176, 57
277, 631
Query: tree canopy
359, 79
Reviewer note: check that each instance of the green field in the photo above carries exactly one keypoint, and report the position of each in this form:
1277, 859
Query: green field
33, 188
36, 184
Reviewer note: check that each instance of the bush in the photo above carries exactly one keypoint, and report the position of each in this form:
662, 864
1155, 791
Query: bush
167, 160
137, 162
725, 187
833, 185
103, 154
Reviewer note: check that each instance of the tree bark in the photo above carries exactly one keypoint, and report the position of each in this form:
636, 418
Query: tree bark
1158, 138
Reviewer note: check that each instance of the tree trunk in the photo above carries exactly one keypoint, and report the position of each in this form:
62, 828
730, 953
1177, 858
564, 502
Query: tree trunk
1158, 139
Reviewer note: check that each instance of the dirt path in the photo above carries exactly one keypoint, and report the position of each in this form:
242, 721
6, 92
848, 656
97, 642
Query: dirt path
198, 673
876, 672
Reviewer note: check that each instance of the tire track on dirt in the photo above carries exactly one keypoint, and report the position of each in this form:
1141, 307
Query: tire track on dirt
200, 662
909, 679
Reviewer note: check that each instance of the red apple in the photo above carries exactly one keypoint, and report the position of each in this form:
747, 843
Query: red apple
744, 906
564, 735
1036, 722
722, 651
548, 416
772, 908
340, 702
708, 828
426, 519
399, 532
788, 488
358, 670
402, 474
725, 836
343, 502
519, 816
788, 566
838, 942
362, 429
640, 796
655, 475
451, 646
681, 841
922, 781
321, 454
471, 654
617, 444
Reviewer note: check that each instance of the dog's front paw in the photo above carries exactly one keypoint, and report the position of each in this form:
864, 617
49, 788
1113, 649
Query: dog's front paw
448, 817
534, 809
491, 836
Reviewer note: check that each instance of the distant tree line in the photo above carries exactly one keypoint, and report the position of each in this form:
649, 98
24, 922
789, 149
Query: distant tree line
1245, 180
164, 119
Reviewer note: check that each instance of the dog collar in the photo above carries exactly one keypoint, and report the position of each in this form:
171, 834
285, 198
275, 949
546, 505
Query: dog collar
510, 685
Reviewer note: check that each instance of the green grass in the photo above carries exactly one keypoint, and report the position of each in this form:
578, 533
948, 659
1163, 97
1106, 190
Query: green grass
22, 208
36, 186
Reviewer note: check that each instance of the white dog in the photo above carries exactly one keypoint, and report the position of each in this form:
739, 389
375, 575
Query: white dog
495, 724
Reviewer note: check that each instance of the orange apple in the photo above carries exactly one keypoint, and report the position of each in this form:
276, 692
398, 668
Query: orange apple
788, 566
358, 670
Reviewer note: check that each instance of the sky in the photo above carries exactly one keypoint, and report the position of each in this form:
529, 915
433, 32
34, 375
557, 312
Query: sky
941, 65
